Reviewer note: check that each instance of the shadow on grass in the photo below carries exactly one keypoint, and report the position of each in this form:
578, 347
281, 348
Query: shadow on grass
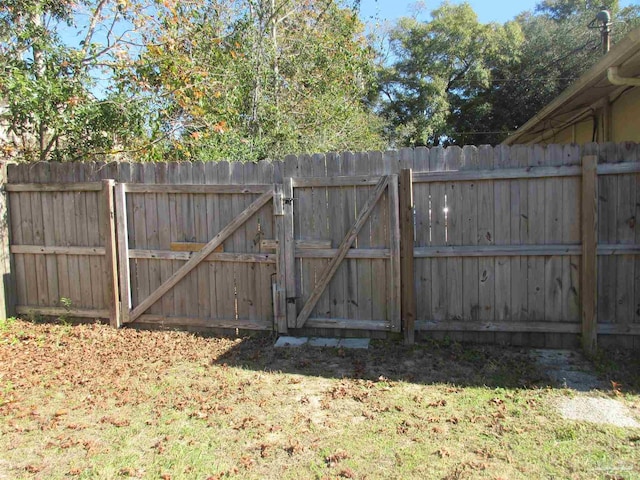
431, 362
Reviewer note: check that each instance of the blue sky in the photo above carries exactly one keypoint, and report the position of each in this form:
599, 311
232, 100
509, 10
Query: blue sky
374, 11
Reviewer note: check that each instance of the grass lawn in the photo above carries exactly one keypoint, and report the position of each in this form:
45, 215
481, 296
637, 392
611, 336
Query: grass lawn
91, 402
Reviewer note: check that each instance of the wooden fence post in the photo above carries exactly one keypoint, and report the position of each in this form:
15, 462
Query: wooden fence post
589, 283
7, 285
112, 294
406, 254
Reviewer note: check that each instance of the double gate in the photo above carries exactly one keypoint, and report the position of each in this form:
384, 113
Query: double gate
316, 252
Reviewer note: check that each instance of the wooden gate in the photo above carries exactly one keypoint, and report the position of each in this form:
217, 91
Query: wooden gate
194, 254
342, 245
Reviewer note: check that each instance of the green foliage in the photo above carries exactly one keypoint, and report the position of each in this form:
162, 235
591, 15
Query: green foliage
441, 65
259, 79
455, 80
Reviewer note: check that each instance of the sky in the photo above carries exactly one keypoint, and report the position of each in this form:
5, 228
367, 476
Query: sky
376, 11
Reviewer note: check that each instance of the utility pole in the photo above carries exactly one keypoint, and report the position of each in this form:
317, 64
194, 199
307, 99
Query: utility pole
603, 23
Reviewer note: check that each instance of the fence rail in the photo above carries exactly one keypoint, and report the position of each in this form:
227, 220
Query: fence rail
518, 244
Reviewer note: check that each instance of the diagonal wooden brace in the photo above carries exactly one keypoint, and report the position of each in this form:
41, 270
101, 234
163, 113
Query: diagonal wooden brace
332, 267
200, 255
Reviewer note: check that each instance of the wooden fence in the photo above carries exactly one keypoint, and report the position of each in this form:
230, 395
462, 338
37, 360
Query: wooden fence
527, 245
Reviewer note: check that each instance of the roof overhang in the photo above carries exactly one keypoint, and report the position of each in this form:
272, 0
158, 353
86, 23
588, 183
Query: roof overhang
578, 100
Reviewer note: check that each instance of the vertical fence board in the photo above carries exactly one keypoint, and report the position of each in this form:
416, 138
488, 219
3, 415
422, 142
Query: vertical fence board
454, 227
336, 232
349, 217
225, 280
152, 237
607, 229
251, 241
364, 266
212, 206
536, 277
289, 245
423, 216
37, 215
486, 236
502, 236
553, 235
590, 220
438, 236
470, 279
200, 233
381, 274
7, 270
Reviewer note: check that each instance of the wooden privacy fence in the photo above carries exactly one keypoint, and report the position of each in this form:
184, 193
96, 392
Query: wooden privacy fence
530, 245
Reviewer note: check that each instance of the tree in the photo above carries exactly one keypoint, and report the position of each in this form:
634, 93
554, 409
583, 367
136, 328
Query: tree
251, 79
458, 81
441, 65
51, 110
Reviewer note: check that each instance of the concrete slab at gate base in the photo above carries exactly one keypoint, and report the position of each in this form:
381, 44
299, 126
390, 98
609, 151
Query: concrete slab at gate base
351, 343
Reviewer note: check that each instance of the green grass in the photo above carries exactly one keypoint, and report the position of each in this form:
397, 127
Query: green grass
92, 402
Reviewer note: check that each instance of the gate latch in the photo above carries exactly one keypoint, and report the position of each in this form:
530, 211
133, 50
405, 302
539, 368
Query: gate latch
291, 299
288, 201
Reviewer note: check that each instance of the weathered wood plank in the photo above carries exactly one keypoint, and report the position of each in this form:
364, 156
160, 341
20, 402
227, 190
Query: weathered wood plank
336, 231
267, 273
186, 291
589, 287
337, 181
454, 227
250, 281
272, 244
198, 188
8, 299
536, 220
395, 282
53, 250
424, 308
470, 305
486, 236
502, 236
201, 234
225, 279
607, 230
553, 234
407, 235
342, 250
571, 215
363, 161
123, 252
56, 187
37, 238
456, 175
112, 294
320, 216
382, 284
70, 200
96, 263
438, 236
196, 322
499, 327
348, 168
61, 311
202, 254
289, 252
164, 234
213, 227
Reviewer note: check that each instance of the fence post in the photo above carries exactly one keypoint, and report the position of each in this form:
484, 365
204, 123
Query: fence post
7, 285
111, 259
406, 255
589, 283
